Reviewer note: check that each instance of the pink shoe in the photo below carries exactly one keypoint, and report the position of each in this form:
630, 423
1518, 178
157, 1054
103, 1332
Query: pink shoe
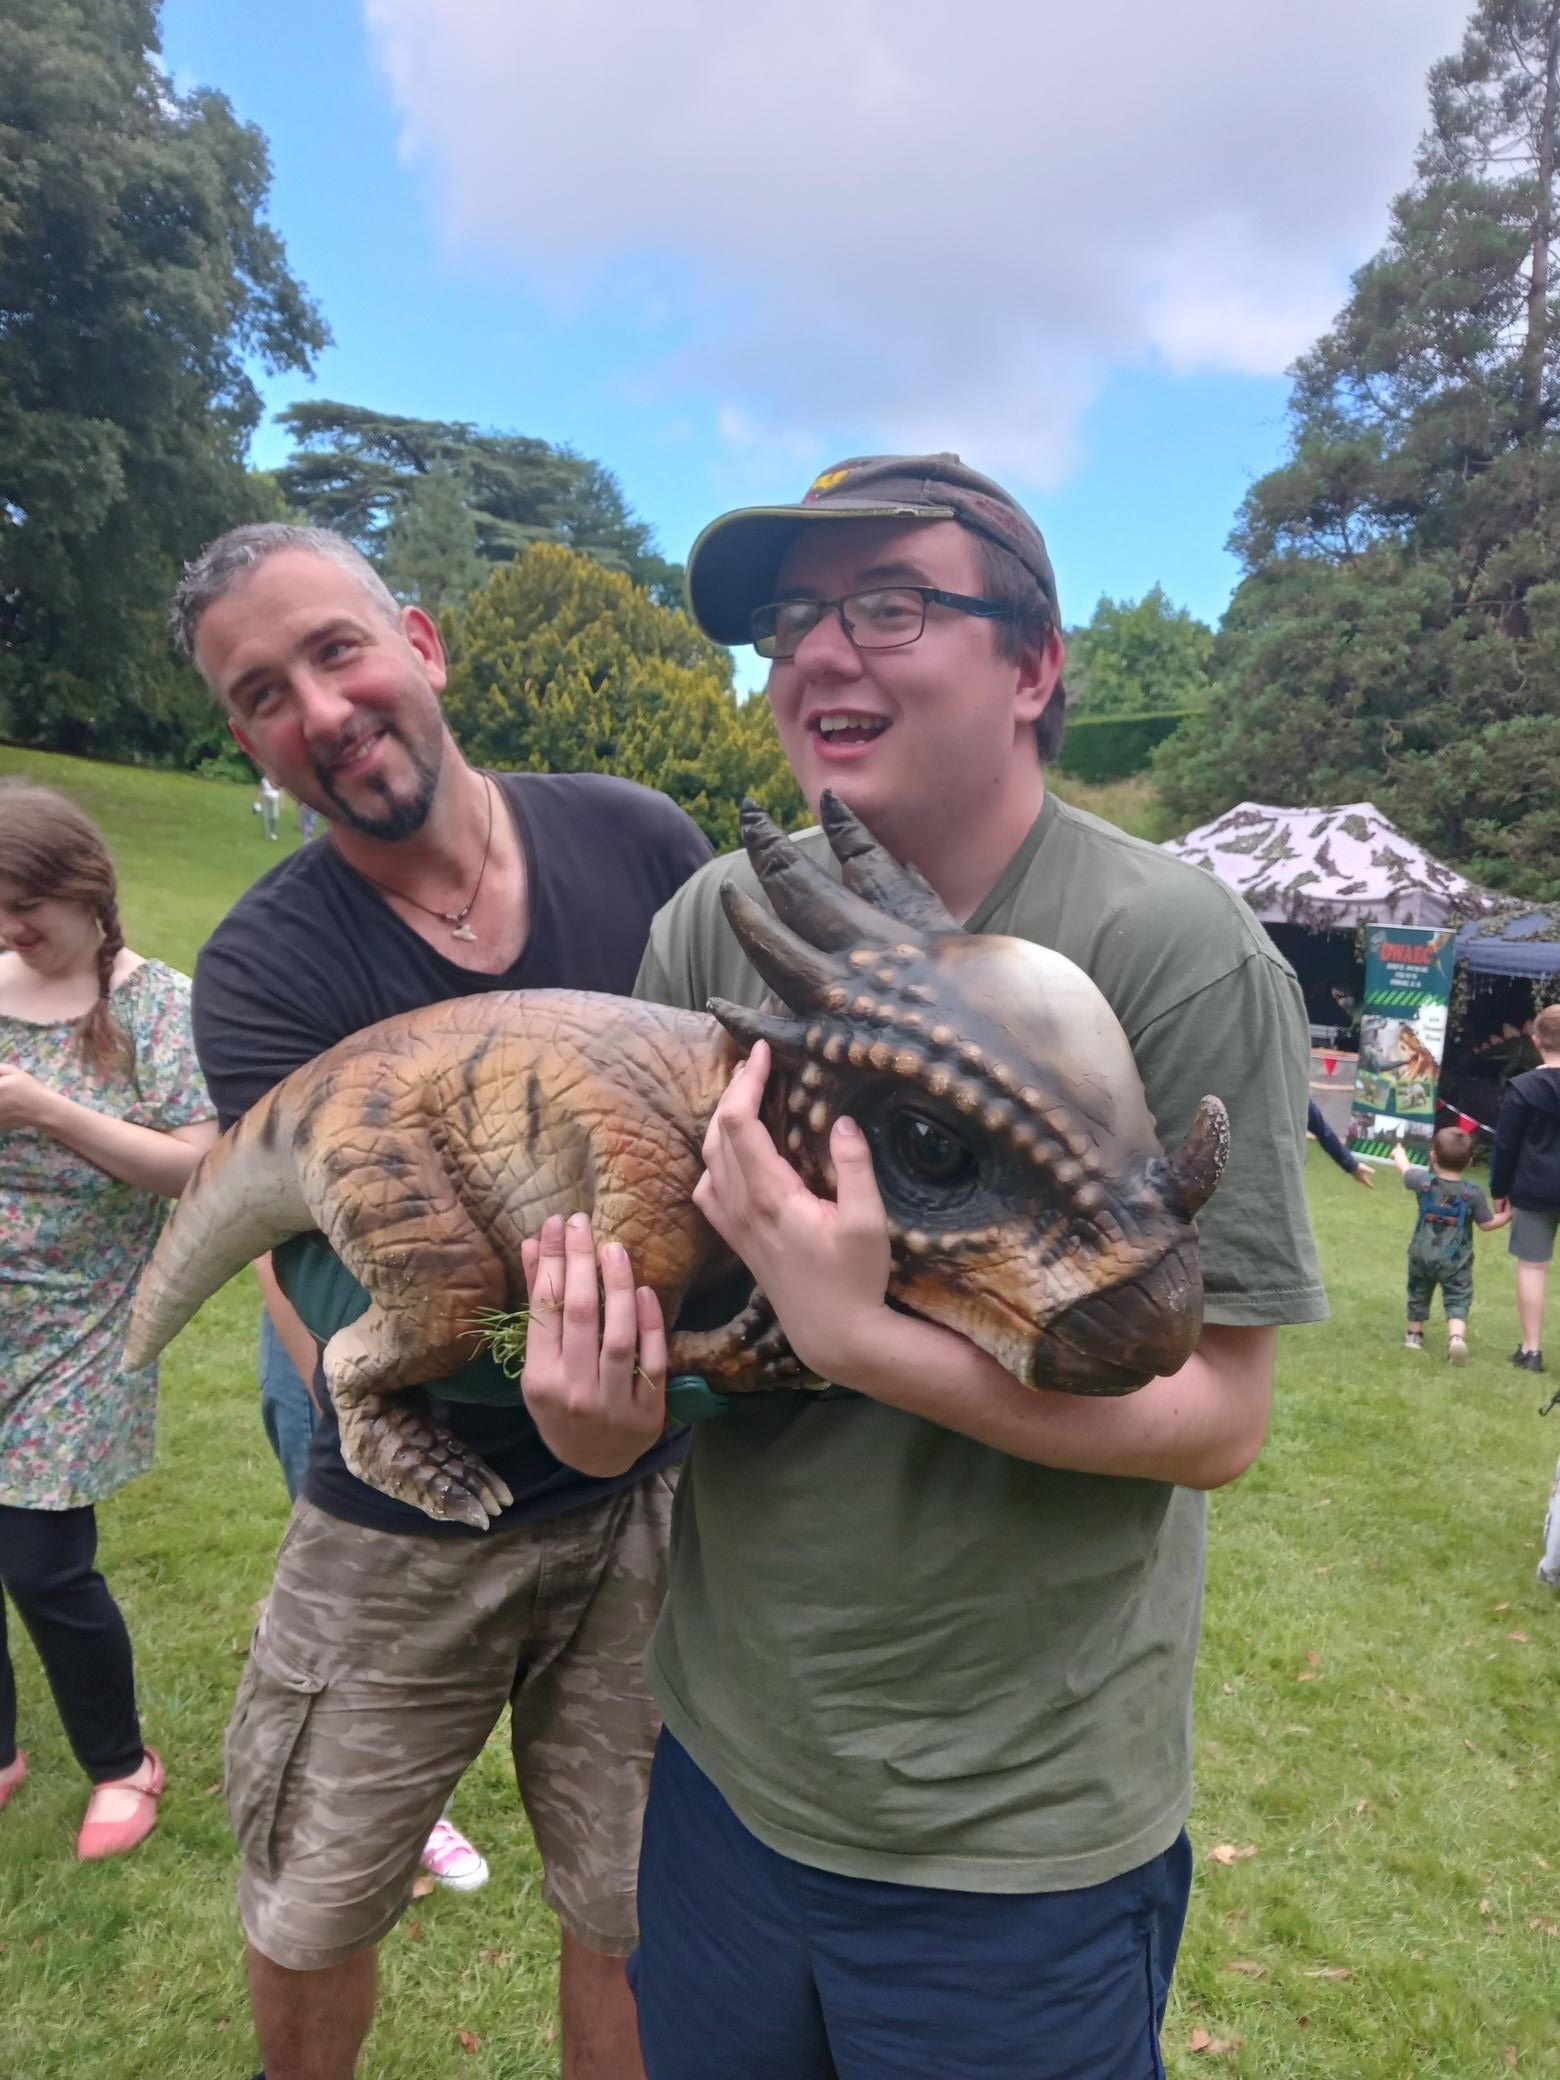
12, 1778
449, 1857
121, 1814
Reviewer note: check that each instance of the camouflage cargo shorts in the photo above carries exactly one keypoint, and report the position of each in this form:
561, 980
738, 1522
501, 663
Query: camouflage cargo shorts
379, 1667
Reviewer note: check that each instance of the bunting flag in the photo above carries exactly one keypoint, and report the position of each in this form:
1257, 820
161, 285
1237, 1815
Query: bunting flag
1468, 1124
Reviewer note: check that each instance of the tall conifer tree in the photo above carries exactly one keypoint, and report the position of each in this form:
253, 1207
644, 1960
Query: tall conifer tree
1397, 633
139, 283
358, 470
430, 554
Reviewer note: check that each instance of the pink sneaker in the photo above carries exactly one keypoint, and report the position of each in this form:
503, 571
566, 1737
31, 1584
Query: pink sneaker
12, 1778
121, 1814
450, 1858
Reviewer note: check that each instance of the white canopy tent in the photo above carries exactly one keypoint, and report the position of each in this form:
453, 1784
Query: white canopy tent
1330, 869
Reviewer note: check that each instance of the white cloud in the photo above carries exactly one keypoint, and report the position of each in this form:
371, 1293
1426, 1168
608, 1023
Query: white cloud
929, 225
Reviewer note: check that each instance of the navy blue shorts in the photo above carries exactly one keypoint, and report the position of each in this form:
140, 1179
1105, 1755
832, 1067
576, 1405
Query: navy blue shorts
753, 1967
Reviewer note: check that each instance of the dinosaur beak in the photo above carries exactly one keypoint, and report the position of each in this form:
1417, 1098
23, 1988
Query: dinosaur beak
1111, 1340
1115, 1341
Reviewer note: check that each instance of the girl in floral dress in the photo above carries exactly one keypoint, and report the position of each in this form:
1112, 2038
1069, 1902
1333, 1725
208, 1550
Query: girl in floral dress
103, 1115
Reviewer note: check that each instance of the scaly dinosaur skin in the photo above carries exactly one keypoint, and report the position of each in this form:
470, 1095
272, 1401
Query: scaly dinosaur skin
1030, 1206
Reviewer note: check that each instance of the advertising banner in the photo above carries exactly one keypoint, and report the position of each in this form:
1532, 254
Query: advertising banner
1408, 986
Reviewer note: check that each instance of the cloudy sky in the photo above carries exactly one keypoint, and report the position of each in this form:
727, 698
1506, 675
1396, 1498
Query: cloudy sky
720, 247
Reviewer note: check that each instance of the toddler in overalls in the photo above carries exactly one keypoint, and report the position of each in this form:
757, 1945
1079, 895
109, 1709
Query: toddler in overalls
1440, 1251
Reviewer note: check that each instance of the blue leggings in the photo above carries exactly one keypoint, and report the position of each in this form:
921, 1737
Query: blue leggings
286, 1410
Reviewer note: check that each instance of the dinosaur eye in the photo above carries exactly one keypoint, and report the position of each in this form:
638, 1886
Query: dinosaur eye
930, 1152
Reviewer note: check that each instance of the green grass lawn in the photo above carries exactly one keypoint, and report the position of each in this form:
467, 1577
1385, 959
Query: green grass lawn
186, 849
1378, 1894
1132, 804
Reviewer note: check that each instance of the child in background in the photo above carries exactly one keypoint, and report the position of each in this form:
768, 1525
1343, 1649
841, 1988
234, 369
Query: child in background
1440, 1251
270, 807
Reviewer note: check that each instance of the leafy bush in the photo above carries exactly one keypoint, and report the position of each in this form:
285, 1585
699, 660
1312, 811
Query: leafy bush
1114, 747
563, 666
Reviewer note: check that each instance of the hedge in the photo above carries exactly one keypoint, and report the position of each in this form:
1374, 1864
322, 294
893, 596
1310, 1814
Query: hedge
1114, 747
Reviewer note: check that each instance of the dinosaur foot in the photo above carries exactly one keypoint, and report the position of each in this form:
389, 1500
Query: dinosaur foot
747, 1355
405, 1456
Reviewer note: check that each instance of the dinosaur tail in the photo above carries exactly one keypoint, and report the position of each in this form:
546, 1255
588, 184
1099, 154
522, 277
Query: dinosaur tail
241, 1200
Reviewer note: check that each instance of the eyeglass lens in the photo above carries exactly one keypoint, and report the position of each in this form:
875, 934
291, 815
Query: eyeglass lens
873, 621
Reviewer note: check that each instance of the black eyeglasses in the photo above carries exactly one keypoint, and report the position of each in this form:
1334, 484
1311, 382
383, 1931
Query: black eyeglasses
885, 619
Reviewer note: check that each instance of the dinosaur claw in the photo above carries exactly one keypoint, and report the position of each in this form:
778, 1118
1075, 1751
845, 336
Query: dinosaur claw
466, 1492
462, 1494
474, 1494
488, 1493
464, 1509
417, 1462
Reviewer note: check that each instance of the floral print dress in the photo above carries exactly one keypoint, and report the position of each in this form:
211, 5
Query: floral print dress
74, 1424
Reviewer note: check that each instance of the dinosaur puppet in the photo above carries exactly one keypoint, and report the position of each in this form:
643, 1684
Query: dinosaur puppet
1031, 1207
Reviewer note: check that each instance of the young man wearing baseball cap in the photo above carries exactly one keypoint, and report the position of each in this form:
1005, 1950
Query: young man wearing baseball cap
926, 1659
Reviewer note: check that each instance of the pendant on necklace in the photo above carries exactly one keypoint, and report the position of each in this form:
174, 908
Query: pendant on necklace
463, 931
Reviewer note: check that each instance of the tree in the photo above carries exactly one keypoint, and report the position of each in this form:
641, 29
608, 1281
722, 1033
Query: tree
1397, 633
356, 470
431, 554
1134, 658
563, 666
137, 283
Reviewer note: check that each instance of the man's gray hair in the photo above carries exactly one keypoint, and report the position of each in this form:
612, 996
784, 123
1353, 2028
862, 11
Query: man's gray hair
228, 560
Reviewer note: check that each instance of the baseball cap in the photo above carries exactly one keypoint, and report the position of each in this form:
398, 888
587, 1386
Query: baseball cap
732, 566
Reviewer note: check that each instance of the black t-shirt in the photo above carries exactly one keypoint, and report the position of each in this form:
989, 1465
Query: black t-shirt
312, 953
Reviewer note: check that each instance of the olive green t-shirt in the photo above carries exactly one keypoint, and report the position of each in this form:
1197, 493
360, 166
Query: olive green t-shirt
904, 1655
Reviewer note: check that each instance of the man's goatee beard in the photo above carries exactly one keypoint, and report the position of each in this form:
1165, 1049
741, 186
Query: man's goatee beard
399, 819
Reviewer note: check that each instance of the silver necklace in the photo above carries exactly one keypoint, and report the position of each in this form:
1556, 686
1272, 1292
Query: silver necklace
455, 919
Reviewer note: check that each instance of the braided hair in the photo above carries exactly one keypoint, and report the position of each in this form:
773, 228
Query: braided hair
50, 849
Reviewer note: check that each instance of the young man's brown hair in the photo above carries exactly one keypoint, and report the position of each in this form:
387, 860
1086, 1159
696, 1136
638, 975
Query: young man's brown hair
1546, 1030
1452, 1148
1005, 579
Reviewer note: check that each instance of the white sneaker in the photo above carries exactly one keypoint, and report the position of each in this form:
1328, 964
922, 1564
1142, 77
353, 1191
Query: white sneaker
449, 1857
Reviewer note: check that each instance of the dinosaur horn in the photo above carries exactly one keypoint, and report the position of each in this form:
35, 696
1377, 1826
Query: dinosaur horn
1186, 1179
786, 1036
810, 901
796, 972
875, 874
